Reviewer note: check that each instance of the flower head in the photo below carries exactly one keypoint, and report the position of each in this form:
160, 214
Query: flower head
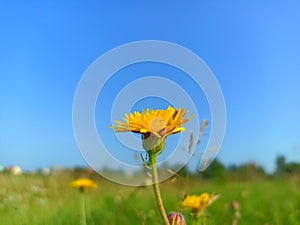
153, 125
83, 183
198, 202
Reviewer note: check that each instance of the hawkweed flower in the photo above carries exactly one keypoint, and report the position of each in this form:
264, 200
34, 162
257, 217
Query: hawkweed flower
197, 203
153, 125
81, 184
176, 218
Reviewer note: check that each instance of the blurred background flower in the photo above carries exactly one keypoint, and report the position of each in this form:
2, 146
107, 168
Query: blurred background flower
197, 203
83, 183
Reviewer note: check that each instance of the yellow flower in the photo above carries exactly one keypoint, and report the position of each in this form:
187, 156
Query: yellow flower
83, 183
153, 125
198, 202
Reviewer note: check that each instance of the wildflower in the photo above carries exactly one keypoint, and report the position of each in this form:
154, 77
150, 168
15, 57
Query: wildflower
83, 183
153, 125
176, 218
198, 202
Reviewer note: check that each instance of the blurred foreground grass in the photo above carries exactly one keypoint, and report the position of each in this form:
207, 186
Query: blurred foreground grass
32, 199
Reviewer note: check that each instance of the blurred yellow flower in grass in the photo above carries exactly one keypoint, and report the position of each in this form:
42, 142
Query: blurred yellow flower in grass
153, 125
198, 202
83, 183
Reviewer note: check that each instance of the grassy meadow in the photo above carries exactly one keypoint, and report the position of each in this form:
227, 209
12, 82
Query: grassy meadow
32, 199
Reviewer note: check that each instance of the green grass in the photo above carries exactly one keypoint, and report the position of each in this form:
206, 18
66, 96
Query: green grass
39, 200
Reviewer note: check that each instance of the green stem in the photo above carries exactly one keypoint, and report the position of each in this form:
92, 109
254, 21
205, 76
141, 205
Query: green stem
83, 209
152, 161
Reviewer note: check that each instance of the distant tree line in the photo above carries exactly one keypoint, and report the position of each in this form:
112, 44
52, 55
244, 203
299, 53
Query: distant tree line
283, 168
216, 171
248, 171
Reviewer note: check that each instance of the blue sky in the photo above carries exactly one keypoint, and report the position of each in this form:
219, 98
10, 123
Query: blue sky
253, 49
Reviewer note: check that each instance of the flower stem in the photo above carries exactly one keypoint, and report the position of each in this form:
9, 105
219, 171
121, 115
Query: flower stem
83, 209
152, 161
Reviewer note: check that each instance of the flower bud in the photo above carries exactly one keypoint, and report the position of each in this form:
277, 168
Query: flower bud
176, 218
153, 143
235, 205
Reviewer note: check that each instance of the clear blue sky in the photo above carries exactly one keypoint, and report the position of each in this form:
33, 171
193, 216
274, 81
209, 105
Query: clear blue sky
253, 49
